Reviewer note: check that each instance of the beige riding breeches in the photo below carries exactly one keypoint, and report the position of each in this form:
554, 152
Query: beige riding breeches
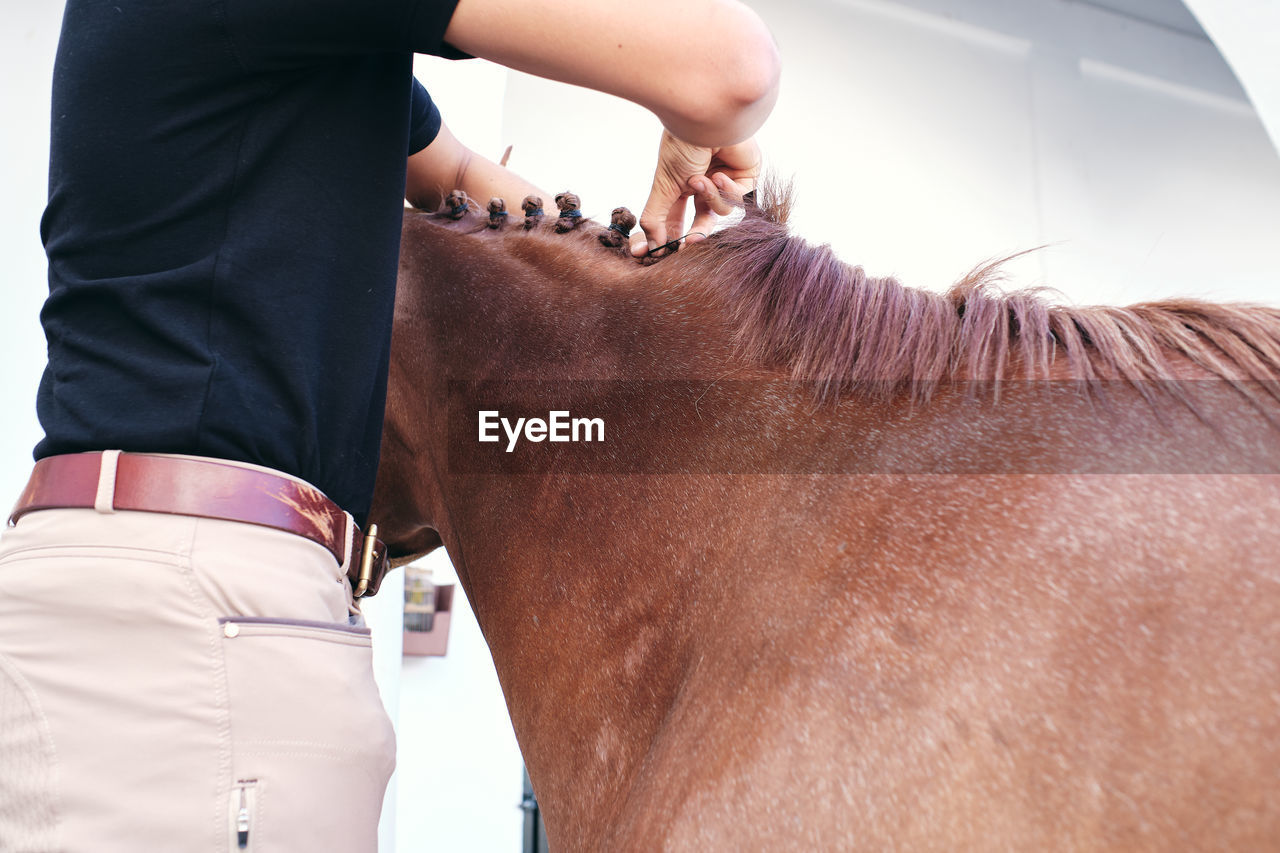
176, 684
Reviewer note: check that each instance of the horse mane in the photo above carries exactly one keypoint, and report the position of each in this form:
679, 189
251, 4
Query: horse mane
799, 307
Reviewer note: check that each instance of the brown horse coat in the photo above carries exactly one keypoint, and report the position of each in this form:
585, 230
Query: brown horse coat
856, 567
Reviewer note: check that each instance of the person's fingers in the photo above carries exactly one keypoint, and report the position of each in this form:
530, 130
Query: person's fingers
653, 220
713, 196
703, 222
712, 192
716, 179
707, 207
640, 243
663, 213
740, 161
675, 219
734, 189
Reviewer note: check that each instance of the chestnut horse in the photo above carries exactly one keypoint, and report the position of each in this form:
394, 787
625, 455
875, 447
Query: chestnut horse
855, 566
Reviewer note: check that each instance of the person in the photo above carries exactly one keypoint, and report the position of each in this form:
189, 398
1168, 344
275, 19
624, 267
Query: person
182, 661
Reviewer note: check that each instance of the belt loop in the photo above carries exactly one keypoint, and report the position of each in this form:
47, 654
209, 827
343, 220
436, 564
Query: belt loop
105, 500
351, 539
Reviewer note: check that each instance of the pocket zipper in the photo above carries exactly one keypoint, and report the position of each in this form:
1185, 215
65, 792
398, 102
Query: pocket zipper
242, 806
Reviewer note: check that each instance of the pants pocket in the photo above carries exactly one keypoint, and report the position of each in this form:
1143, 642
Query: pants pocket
312, 746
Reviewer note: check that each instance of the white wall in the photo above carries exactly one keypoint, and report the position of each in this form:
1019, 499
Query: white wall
459, 766
925, 136
27, 42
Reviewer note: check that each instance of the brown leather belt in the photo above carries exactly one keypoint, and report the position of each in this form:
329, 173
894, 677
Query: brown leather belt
205, 489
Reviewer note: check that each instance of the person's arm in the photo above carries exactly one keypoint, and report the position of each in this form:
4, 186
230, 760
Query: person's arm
708, 69
446, 164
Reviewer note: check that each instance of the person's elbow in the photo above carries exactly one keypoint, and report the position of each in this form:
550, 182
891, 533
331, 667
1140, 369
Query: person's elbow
752, 85
755, 69
735, 92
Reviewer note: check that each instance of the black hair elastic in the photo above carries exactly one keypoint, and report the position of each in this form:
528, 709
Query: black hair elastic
676, 242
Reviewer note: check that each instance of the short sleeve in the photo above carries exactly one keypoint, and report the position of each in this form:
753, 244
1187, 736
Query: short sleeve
424, 119
428, 28
276, 33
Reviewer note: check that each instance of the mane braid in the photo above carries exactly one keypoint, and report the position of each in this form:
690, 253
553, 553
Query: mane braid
800, 309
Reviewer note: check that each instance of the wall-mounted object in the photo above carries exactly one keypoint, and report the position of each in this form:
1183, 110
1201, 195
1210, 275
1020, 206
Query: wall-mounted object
428, 608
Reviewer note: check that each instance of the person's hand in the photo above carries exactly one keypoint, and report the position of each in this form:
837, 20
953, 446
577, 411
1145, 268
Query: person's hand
710, 176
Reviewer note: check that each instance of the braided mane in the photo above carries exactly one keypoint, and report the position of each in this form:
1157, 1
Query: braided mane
798, 307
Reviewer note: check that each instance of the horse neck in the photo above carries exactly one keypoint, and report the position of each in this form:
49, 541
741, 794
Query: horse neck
586, 587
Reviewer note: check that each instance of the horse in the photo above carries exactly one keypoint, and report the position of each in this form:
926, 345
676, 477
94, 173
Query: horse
849, 565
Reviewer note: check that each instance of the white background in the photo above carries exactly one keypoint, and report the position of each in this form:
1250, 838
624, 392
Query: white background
924, 137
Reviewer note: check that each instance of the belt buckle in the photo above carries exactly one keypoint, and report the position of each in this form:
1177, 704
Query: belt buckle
366, 561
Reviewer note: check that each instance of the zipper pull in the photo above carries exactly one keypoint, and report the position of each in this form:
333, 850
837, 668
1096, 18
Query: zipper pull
242, 821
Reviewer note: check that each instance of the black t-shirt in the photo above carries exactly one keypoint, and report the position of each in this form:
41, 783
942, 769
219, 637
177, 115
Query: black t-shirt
226, 188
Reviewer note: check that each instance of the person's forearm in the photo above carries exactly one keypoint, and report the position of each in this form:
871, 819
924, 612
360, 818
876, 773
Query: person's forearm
483, 179
446, 164
707, 68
